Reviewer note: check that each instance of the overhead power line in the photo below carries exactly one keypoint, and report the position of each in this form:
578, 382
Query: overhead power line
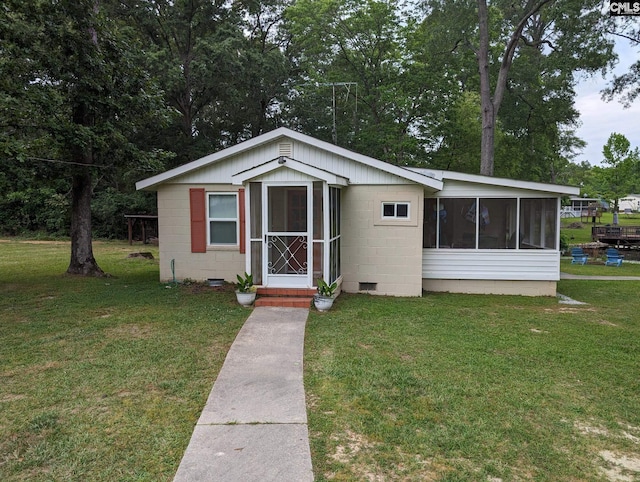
59, 161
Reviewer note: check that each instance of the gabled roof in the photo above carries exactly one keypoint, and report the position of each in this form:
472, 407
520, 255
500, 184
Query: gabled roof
418, 177
433, 179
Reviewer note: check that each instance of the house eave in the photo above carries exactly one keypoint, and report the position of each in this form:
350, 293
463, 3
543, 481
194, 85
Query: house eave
422, 178
284, 162
502, 182
153, 181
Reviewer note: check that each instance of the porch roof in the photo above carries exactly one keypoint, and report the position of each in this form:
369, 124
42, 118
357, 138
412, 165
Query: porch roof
285, 162
498, 181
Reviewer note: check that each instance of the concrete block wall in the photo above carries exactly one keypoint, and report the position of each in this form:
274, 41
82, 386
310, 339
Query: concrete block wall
385, 252
175, 239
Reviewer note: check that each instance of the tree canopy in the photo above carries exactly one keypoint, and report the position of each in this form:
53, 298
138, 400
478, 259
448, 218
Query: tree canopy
96, 94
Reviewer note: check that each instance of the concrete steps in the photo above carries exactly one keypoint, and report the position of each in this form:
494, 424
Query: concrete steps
285, 297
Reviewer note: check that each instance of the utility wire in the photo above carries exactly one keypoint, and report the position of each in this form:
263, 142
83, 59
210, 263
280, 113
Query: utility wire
66, 162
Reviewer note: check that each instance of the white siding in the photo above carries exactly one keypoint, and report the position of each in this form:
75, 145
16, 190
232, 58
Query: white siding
221, 172
472, 264
462, 189
286, 175
356, 172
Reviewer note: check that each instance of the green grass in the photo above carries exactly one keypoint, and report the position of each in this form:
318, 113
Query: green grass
596, 267
102, 379
455, 387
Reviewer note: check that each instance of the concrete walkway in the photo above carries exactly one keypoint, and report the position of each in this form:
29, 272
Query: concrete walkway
254, 424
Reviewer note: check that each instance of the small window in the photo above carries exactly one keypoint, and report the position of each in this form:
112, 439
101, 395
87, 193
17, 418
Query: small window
223, 218
395, 210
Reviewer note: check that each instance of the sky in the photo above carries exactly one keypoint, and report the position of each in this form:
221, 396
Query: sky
599, 118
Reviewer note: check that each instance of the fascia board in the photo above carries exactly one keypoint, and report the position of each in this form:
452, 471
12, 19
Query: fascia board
504, 182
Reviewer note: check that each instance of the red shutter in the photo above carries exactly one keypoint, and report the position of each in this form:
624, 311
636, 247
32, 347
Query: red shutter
198, 220
242, 242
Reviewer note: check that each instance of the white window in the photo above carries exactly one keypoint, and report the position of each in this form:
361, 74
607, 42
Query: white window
222, 214
395, 210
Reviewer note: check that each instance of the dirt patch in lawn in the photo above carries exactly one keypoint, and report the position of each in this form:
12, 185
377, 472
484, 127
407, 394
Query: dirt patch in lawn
617, 466
620, 467
349, 445
11, 397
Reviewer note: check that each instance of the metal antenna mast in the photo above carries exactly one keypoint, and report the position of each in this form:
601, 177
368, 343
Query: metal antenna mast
334, 130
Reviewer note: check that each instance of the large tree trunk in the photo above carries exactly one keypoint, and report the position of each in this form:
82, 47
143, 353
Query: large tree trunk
82, 261
491, 104
488, 113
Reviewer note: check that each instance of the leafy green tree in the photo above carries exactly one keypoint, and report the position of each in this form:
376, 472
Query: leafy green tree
77, 96
626, 87
550, 31
340, 42
266, 70
221, 65
552, 41
621, 165
193, 49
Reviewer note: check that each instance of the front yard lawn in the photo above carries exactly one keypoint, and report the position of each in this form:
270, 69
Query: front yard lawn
486, 388
104, 379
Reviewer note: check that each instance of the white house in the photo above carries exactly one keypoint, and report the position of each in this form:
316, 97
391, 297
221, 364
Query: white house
290, 209
631, 203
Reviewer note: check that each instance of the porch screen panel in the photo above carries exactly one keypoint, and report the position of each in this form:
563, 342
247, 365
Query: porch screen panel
430, 224
255, 192
334, 234
497, 223
458, 219
318, 218
318, 232
538, 223
318, 262
256, 261
490, 223
255, 231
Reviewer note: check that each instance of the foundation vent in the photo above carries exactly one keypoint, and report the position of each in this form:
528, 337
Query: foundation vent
366, 286
285, 149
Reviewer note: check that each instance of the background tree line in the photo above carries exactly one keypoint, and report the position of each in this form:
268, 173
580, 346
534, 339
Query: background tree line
97, 94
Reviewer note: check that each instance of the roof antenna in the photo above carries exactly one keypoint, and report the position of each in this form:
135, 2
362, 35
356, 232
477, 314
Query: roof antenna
334, 129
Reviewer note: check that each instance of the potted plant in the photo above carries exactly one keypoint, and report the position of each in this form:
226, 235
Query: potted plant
323, 300
246, 291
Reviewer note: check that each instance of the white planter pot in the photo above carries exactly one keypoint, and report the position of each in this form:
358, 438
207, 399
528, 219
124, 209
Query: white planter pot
322, 303
246, 299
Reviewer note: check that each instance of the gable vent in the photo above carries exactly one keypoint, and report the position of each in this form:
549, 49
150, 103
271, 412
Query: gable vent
285, 149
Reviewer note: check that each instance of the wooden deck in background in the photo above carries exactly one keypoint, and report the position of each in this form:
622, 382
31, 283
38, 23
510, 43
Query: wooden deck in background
617, 235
